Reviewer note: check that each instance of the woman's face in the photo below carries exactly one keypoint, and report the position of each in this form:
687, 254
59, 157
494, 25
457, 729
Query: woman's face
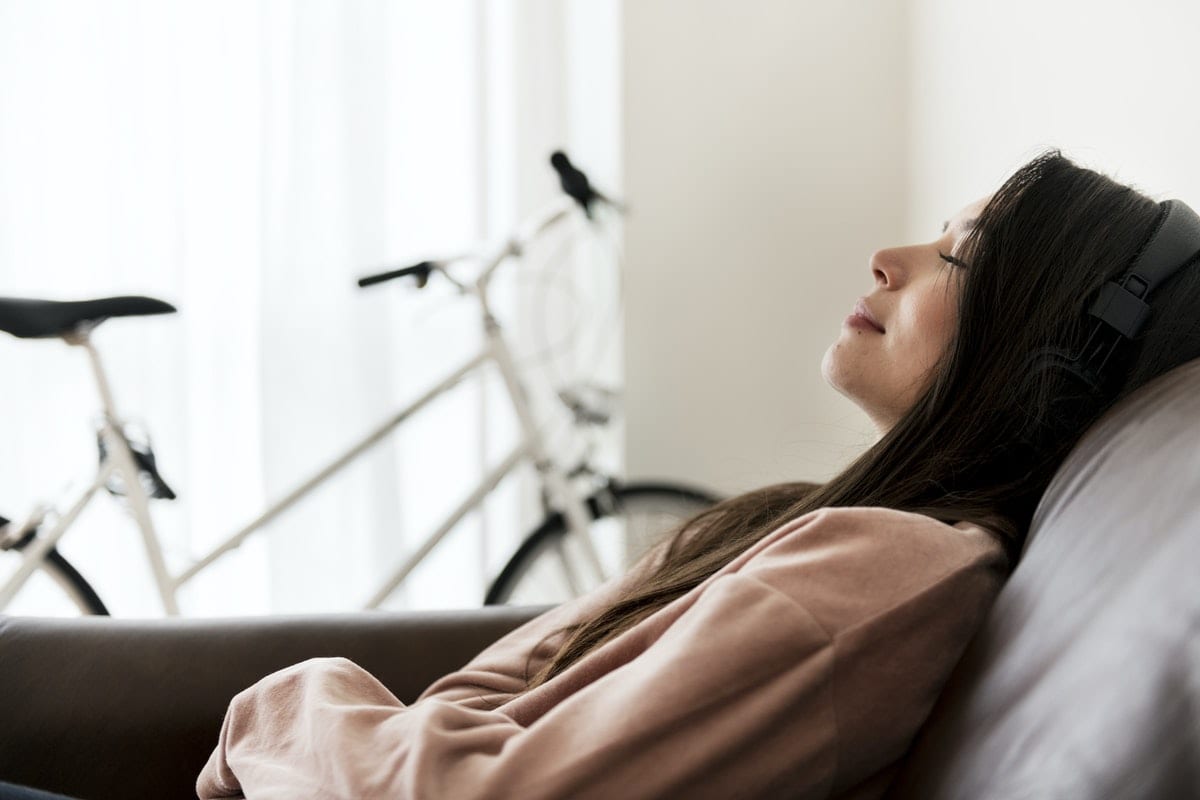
915, 302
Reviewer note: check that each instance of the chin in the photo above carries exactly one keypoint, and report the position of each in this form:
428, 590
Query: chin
827, 365
832, 371
853, 384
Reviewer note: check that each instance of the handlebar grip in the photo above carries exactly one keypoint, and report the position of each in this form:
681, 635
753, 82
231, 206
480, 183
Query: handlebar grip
420, 271
573, 181
562, 164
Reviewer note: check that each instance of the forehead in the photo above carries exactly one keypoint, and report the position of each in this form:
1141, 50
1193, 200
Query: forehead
965, 218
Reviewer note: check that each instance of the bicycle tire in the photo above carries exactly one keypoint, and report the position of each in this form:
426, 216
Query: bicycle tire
523, 580
69, 580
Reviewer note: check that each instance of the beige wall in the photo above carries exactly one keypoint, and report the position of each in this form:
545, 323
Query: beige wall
764, 149
1113, 84
770, 147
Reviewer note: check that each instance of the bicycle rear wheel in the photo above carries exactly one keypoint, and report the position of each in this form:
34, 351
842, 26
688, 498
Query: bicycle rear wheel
55, 588
550, 567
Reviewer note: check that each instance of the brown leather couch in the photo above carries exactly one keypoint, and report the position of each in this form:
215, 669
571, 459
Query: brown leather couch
1082, 684
100, 708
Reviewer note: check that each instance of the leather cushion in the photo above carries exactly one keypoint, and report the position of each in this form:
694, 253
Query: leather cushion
1084, 681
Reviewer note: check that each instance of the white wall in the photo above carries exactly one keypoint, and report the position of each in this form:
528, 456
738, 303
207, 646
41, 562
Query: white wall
1114, 84
764, 146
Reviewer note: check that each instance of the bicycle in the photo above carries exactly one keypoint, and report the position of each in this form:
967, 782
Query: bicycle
587, 536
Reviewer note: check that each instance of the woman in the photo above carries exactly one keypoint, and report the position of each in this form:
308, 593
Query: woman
790, 641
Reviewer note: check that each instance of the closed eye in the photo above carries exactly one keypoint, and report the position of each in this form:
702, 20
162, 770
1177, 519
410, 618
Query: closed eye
952, 260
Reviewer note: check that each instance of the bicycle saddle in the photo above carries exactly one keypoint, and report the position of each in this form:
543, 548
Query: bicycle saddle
39, 319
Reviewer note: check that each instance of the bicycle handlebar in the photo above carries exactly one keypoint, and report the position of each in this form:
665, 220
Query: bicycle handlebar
575, 185
574, 182
421, 271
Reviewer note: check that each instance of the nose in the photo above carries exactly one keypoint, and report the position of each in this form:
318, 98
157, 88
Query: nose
883, 268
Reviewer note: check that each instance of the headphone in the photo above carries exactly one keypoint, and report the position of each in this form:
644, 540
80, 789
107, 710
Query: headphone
1120, 308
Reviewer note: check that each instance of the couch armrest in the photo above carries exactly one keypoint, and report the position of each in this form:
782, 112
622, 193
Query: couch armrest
105, 708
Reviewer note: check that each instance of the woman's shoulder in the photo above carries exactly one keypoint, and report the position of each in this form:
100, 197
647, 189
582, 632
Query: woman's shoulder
892, 528
877, 533
846, 565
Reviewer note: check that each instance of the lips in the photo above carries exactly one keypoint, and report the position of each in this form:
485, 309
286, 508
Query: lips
861, 309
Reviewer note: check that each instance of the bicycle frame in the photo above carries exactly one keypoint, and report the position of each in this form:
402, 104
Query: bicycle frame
120, 460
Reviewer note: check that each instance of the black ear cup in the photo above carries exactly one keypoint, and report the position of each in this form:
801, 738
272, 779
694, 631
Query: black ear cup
1067, 406
1060, 360
1119, 310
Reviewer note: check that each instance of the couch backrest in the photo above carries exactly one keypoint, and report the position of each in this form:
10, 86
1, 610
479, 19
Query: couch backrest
1084, 681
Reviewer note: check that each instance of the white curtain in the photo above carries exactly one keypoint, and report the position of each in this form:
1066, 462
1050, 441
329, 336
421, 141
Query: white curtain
246, 161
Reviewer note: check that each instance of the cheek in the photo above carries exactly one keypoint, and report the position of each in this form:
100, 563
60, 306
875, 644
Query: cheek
935, 323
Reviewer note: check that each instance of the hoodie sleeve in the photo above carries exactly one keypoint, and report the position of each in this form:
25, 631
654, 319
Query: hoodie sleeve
503, 668
735, 697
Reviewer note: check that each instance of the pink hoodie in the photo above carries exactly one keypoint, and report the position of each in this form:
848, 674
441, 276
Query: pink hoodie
802, 669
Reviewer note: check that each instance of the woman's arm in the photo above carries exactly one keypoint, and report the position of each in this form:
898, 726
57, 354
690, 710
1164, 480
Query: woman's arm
502, 670
736, 697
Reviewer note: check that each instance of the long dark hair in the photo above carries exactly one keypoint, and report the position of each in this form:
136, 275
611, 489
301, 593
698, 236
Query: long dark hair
983, 441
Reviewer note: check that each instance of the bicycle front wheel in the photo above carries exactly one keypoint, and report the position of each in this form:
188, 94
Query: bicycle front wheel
550, 567
55, 589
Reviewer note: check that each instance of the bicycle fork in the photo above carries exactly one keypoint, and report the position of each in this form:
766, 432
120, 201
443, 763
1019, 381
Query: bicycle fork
571, 504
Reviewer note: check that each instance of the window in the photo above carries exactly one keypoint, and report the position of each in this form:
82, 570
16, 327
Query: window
246, 161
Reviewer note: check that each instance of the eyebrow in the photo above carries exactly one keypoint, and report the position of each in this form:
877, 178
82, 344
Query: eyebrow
967, 226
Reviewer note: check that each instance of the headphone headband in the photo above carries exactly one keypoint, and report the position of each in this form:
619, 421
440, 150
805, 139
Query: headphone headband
1174, 243
1120, 308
